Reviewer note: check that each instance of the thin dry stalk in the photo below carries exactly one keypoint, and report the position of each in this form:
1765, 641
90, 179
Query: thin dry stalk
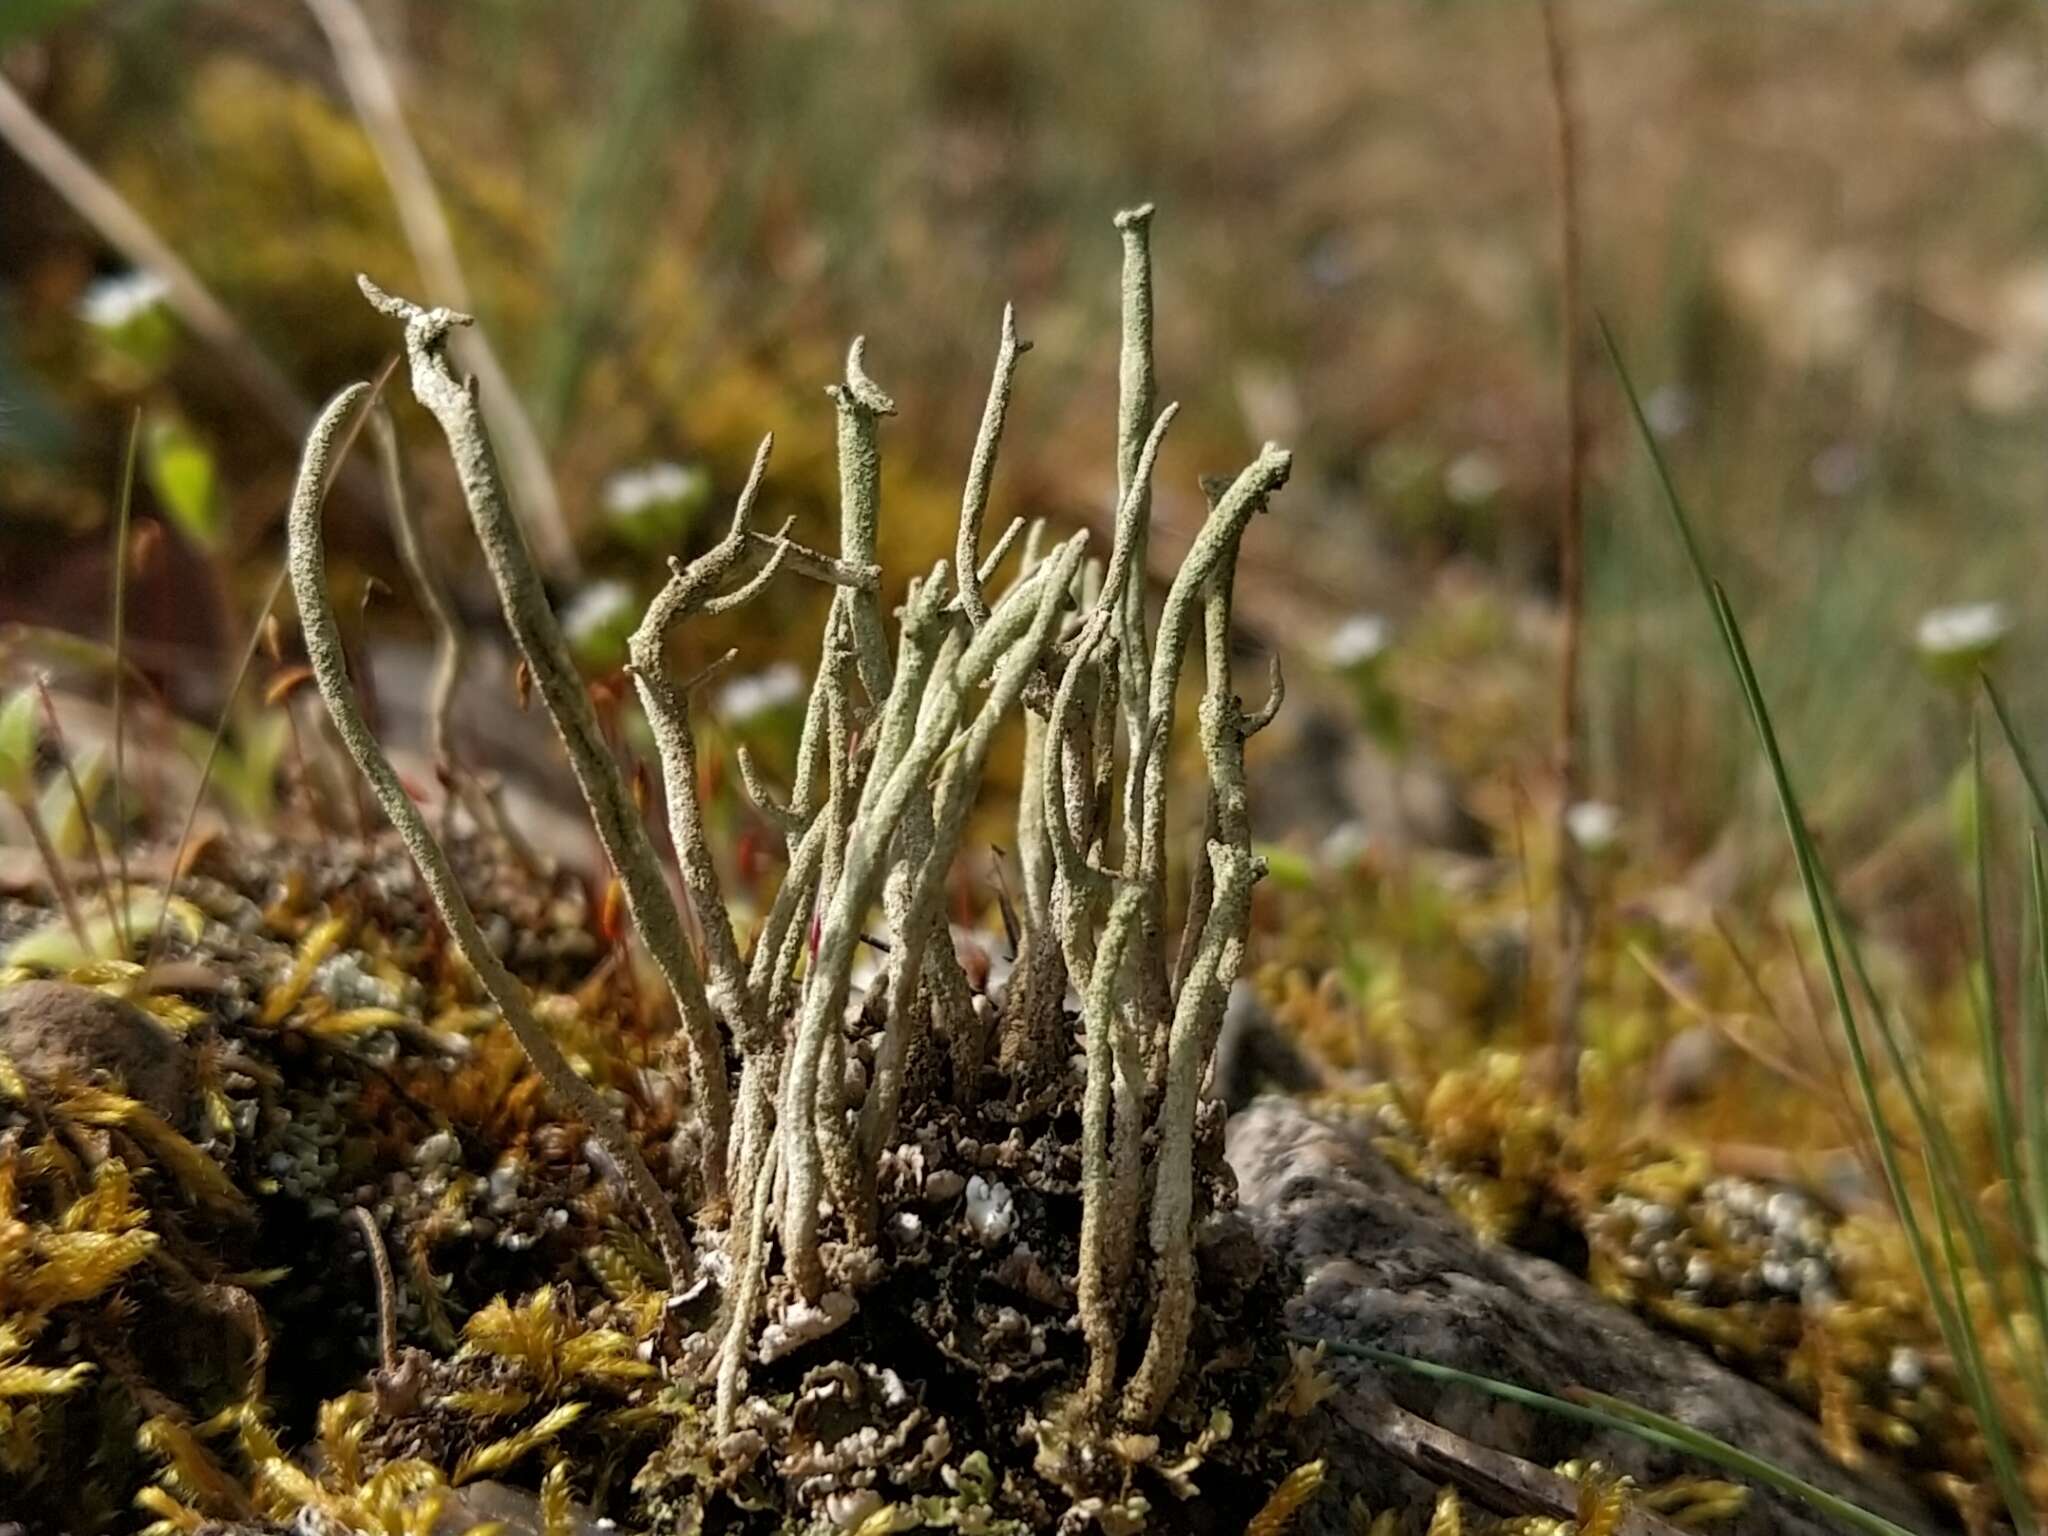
1574, 909
366, 76
116, 221
456, 409
88, 829
451, 646
387, 1289
119, 623
307, 565
53, 864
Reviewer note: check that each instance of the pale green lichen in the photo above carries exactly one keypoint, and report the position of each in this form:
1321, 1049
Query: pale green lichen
890, 762
330, 673
538, 635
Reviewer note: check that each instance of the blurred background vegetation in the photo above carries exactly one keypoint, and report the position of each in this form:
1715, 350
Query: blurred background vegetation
1818, 228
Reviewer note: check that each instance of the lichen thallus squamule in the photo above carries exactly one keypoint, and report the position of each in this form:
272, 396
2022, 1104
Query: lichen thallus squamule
890, 759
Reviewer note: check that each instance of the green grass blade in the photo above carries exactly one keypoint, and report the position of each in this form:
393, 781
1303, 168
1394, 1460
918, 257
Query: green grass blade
122, 524
1818, 897
1603, 1412
2035, 787
1808, 861
2034, 1057
1908, 1070
1998, 1091
1976, 1376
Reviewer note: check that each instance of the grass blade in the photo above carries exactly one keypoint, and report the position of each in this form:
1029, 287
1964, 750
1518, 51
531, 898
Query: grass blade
2034, 1055
1997, 1089
119, 622
2035, 788
1976, 1377
1834, 938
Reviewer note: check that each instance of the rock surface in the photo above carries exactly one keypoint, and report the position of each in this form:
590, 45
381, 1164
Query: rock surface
1377, 1261
55, 1031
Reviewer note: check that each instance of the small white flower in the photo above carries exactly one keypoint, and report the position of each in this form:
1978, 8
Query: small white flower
1594, 825
1473, 477
596, 608
1669, 410
744, 698
1961, 631
650, 485
1839, 469
1345, 845
1360, 639
991, 1213
112, 302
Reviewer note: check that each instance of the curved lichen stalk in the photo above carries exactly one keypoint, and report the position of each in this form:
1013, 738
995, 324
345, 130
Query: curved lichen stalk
330, 673
1203, 579
692, 589
1008, 648
539, 637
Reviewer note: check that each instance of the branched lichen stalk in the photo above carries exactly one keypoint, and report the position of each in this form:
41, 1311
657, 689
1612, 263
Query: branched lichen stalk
861, 406
693, 589
1136, 389
1021, 623
539, 637
1197, 1012
330, 673
981, 470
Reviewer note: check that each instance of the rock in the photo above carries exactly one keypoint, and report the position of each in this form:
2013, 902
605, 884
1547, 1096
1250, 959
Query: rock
55, 1031
1377, 1261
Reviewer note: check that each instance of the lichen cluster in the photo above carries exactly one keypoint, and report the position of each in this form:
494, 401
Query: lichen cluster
1033, 1149
191, 1305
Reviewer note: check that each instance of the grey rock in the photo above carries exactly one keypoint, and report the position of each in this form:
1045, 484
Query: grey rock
1374, 1260
55, 1031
